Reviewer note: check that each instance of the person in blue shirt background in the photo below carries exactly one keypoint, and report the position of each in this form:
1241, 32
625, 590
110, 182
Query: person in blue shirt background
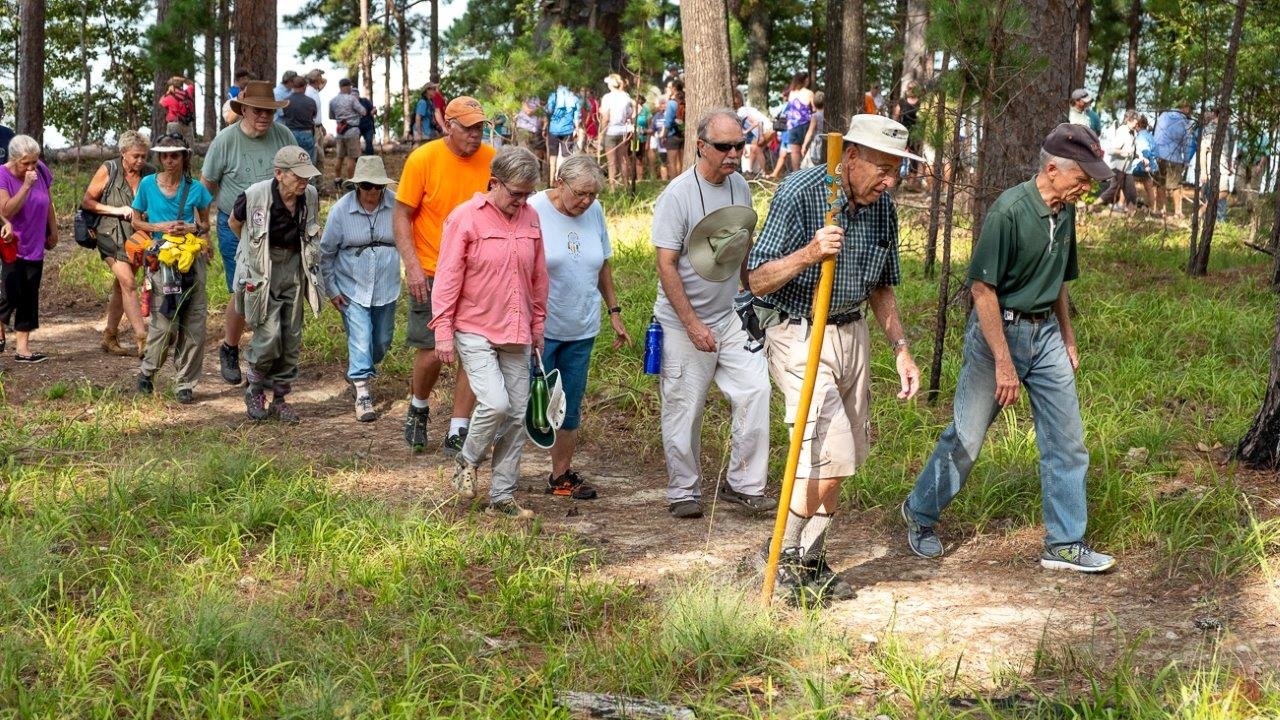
562, 124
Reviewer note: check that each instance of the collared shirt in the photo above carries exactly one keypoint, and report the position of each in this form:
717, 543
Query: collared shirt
491, 279
1025, 251
284, 227
1173, 136
868, 258
358, 255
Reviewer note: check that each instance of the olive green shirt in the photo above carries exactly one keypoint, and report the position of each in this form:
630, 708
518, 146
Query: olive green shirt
1016, 254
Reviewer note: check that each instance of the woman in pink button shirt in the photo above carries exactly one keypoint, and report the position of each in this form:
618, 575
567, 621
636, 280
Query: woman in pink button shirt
489, 306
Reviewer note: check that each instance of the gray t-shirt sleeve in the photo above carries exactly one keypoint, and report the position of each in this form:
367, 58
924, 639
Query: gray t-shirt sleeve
605, 245
670, 219
215, 160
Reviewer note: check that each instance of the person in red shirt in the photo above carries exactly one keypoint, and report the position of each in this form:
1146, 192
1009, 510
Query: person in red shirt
179, 103
589, 126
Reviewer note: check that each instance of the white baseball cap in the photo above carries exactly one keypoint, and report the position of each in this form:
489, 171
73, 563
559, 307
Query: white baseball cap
880, 133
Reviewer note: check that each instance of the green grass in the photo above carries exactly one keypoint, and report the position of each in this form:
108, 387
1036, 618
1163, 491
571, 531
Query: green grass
149, 570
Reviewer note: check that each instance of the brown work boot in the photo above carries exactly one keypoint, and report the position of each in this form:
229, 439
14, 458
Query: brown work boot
111, 343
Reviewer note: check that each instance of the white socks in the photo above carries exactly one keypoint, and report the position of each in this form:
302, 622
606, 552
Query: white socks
418, 402
456, 424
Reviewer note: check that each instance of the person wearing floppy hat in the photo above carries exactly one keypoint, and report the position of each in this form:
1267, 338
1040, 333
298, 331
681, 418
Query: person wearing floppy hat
703, 339
240, 155
171, 203
361, 272
277, 271
784, 266
1020, 335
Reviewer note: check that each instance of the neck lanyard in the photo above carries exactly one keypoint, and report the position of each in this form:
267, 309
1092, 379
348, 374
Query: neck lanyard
697, 179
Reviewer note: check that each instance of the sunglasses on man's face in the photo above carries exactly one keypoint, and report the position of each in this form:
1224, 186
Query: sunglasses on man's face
367, 186
725, 147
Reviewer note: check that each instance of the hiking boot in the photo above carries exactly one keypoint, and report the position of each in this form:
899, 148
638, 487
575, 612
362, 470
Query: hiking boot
570, 485
415, 427
111, 344
686, 509
921, 538
185, 396
284, 411
144, 386
255, 403
229, 358
754, 503
452, 444
1076, 556
364, 409
824, 581
792, 575
509, 508
464, 480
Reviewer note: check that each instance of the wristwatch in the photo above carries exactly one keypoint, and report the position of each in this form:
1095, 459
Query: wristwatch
615, 310
900, 343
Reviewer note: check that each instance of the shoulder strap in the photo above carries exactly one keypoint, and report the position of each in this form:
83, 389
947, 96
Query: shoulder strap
182, 197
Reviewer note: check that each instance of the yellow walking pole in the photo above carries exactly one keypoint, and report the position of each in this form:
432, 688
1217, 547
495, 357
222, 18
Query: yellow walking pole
821, 303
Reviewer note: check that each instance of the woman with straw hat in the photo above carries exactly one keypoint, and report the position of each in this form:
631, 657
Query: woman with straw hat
360, 269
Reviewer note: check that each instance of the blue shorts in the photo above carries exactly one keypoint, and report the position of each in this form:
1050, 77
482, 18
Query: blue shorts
228, 241
795, 135
572, 358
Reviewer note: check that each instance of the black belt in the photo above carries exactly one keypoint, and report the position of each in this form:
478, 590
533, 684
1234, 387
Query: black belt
838, 320
1015, 316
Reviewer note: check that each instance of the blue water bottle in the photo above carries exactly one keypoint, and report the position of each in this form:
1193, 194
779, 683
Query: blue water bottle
653, 348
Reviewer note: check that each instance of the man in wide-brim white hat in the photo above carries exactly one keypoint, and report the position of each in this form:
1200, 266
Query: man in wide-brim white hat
784, 267
702, 226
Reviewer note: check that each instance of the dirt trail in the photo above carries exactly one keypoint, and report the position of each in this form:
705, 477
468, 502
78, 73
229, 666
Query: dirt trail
987, 604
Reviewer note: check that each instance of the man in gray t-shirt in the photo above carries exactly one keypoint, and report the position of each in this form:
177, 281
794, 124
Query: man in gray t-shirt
703, 340
346, 109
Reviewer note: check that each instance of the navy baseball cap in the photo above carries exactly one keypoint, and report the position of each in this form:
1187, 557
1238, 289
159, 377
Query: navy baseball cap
1081, 144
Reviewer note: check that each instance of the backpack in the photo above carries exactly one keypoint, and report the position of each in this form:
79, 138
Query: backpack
85, 230
560, 106
678, 126
188, 114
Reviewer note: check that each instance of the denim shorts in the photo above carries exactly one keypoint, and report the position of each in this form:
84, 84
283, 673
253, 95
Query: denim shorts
572, 358
228, 241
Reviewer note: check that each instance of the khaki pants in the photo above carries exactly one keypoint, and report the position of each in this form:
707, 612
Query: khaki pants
184, 333
837, 432
499, 376
272, 355
743, 377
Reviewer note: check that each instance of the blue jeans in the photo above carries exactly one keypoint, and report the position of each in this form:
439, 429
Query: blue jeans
369, 332
228, 241
572, 358
306, 140
1042, 364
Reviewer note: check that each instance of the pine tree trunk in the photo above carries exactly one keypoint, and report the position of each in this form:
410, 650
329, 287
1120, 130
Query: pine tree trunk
897, 50
706, 58
935, 171
1084, 25
224, 55
159, 80
402, 32
1104, 80
1131, 78
1260, 446
211, 104
366, 55
1200, 262
386, 78
846, 61
87, 100
944, 282
758, 43
917, 64
1274, 244
1016, 121
255, 37
29, 95
435, 44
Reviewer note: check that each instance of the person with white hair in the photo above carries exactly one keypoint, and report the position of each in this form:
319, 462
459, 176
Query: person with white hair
617, 113
489, 307
26, 205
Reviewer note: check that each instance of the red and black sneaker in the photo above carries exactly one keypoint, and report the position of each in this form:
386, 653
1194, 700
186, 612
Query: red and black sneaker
570, 485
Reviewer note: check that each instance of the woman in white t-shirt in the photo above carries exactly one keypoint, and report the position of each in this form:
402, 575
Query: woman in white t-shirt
616, 114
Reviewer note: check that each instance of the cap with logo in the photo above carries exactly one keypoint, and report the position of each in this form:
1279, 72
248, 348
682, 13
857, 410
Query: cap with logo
1080, 144
296, 160
880, 133
466, 110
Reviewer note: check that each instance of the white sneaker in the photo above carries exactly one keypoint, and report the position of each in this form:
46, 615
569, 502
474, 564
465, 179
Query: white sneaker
364, 409
464, 480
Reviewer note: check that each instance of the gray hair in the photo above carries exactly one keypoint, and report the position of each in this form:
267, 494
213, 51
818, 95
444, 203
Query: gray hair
132, 139
581, 167
704, 125
1047, 158
23, 145
514, 164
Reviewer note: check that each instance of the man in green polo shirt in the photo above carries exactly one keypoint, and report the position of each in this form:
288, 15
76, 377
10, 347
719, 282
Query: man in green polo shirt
1020, 335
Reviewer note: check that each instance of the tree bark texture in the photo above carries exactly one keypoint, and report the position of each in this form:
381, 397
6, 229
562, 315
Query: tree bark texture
706, 57
255, 37
917, 62
935, 172
1080, 56
29, 97
944, 281
224, 54
435, 41
758, 43
601, 16
1260, 446
1021, 105
211, 104
87, 102
160, 79
846, 61
366, 53
1200, 260
402, 32
893, 90
1131, 76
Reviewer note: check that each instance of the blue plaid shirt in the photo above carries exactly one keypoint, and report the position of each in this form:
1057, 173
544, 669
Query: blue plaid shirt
867, 260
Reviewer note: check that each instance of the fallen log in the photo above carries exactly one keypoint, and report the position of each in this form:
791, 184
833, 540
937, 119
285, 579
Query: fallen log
597, 705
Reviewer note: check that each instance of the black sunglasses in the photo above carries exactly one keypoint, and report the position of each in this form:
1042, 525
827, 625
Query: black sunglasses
367, 186
725, 147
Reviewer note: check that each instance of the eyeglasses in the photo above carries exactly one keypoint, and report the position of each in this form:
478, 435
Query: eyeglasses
525, 195
476, 129
368, 186
579, 194
725, 147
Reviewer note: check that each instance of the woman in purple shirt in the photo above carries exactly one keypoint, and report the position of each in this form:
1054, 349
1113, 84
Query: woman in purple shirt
25, 202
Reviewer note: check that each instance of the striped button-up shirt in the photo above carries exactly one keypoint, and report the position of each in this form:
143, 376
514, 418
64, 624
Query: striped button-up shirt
868, 258
491, 278
358, 255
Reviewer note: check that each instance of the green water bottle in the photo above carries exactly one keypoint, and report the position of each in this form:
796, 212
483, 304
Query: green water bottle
539, 397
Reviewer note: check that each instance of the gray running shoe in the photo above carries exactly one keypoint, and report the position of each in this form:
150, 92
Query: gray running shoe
921, 538
255, 403
509, 508
686, 509
1076, 556
464, 480
452, 444
755, 503
364, 409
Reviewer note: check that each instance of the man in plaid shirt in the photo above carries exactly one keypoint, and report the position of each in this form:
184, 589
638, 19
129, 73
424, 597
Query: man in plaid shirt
784, 266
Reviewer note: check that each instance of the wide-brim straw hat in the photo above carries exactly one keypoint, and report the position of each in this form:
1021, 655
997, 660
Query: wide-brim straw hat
880, 133
720, 241
369, 169
257, 94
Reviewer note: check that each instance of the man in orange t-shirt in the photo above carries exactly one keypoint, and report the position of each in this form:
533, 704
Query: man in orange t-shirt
437, 178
